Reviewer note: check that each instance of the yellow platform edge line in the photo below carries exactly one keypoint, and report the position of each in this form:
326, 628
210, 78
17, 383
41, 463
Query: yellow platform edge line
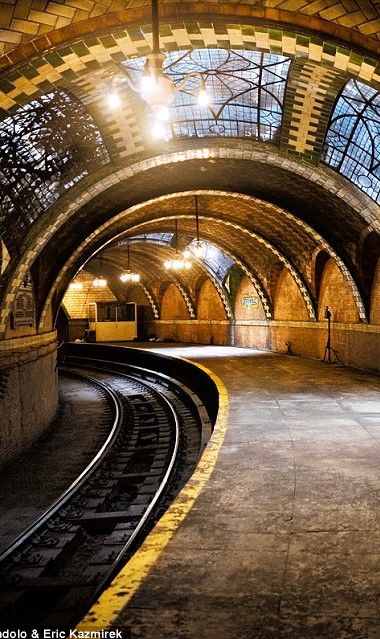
116, 597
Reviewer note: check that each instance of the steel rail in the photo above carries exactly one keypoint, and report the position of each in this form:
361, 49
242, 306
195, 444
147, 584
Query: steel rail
80, 480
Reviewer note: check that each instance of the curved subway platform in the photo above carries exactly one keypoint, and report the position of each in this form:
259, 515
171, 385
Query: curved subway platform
282, 539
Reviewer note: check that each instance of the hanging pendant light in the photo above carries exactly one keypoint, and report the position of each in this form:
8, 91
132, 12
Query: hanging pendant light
178, 264
75, 286
128, 275
100, 281
156, 88
196, 250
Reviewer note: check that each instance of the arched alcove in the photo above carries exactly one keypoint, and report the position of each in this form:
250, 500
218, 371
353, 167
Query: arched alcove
336, 294
247, 302
288, 302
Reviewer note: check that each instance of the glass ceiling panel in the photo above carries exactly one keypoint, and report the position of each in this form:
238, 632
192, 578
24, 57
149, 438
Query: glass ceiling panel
153, 237
246, 90
46, 146
352, 145
214, 259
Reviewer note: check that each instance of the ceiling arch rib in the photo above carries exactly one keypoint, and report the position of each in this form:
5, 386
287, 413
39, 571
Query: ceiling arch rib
139, 228
357, 201
236, 227
124, 36
295, 234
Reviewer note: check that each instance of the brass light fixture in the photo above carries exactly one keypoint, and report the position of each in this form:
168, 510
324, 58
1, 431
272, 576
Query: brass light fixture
196, 250
155, 87
100, 281
128, 275
179, 263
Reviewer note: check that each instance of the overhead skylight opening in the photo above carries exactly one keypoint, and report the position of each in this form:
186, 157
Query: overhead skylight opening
352, 145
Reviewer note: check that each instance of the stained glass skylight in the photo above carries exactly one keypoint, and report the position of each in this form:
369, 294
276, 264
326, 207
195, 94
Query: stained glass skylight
46, 146
214, 259
246, 90
352, 144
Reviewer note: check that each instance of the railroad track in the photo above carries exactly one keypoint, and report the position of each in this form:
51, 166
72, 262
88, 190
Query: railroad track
53, 572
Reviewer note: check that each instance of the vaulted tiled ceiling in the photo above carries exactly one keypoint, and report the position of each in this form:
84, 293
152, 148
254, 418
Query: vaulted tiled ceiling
76, 46
30, 19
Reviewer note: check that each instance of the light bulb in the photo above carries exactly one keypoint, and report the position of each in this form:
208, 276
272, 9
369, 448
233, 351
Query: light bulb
187, 254
99, 282
148, 83
203, 98
113, 100
162, 113
159, 130
168, 265
187, 265
75, 286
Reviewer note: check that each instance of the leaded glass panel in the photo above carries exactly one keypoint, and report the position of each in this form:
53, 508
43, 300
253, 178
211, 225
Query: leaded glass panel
46, 146
246, 90
352, 144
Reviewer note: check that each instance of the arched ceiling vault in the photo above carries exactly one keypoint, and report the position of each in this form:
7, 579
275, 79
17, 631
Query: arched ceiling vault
54, 47
259, 254
248, 170
355, 23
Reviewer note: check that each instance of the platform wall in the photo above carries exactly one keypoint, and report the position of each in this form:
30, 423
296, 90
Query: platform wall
28, 392
357, 344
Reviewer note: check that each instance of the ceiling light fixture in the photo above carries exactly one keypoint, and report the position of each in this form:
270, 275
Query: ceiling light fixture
155, 87
128, 275
100, 281
75, 286
178, 264
196, 250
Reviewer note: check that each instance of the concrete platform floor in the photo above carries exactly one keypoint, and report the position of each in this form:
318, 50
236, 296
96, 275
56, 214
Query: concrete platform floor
284, 541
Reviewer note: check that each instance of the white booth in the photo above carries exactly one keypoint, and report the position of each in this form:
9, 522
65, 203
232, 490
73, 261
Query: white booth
113, 321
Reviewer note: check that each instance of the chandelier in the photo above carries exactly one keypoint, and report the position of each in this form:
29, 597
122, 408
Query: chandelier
179, 263
100, 281
128, 275
196, 250
75, 286
155, 87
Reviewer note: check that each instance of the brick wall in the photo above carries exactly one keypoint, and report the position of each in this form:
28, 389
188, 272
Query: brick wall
76, 301
357, 344
288, 301
336, 294
251, 311
173, 306
192, 331
209, 303
28, 392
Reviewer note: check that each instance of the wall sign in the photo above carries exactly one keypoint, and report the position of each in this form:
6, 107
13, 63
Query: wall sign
23, 311
249, 300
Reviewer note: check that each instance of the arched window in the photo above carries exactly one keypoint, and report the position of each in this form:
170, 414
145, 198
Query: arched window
352, 144
46, 146
246, 90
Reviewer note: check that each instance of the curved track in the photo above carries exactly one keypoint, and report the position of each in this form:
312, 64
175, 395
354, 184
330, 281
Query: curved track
52, 573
